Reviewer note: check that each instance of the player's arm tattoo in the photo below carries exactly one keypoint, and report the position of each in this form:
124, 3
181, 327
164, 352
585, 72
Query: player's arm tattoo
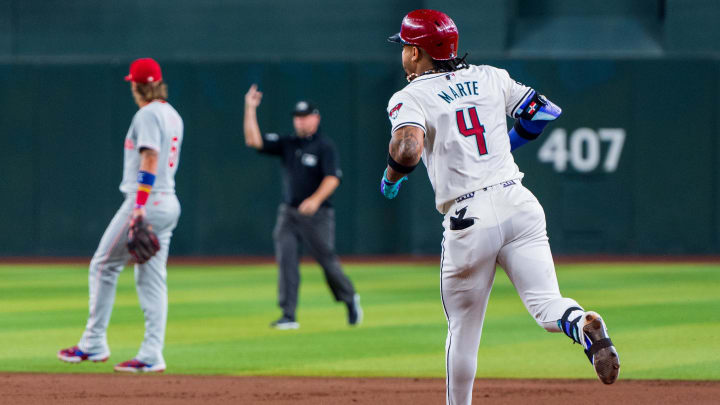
406, 145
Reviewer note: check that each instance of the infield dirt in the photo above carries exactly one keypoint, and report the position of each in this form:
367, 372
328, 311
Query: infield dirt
19, 388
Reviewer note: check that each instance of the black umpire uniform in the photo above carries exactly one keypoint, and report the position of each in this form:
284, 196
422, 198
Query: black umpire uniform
306, 162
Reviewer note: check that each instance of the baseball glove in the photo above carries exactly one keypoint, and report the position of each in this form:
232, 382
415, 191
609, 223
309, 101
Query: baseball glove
142, 241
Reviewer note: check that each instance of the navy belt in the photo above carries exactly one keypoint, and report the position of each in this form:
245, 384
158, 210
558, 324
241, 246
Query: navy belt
470, 195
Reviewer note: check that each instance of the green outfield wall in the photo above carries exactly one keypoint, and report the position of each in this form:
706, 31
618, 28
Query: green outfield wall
632, 166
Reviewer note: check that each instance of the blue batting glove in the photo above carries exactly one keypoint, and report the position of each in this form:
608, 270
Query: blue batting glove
388, 188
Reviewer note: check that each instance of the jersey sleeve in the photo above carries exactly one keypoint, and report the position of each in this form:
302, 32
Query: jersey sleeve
403, 110
147, 130
273, 144
515, 93
330, 161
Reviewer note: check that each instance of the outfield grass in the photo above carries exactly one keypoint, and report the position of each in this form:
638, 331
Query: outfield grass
663, 319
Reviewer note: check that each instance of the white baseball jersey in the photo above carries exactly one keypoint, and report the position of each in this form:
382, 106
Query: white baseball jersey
156, 126
466, 137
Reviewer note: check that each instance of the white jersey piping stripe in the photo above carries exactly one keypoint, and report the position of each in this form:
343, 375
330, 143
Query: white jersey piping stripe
408, 124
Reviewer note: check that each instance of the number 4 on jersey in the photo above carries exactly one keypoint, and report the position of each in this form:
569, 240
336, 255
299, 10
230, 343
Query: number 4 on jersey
476, 129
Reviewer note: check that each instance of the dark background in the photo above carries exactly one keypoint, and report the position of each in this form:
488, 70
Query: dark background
649, 69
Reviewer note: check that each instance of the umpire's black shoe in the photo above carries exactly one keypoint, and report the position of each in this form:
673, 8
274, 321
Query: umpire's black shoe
355, 312
285, 323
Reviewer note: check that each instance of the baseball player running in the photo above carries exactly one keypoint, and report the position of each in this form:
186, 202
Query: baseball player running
452, 115
152, 152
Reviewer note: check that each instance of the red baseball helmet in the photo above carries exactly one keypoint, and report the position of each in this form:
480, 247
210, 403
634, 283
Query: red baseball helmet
144, 70
431, 30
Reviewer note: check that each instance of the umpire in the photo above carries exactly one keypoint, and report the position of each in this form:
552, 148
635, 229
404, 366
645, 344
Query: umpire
311, 174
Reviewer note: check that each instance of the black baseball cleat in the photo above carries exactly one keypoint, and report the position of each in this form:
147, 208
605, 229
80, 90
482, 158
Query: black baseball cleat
355, 312
599, 348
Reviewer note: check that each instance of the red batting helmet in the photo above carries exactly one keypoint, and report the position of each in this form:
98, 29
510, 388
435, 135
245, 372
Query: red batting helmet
432, 31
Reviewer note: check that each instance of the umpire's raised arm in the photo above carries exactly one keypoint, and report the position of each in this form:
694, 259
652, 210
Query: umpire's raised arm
253, 137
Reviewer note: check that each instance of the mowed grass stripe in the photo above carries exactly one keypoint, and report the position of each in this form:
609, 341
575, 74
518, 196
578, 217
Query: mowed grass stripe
661, 317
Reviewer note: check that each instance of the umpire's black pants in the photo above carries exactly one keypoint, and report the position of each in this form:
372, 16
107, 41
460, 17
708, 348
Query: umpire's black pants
318, 234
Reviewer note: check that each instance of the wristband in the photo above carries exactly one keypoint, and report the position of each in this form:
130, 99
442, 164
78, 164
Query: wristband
399, 167
146, 178
142, 196
145, 183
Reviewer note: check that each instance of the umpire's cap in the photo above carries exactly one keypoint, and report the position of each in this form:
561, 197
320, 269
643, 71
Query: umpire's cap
431, 30
304, 107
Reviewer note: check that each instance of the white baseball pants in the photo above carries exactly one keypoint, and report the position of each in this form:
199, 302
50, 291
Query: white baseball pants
163, 211
509, 229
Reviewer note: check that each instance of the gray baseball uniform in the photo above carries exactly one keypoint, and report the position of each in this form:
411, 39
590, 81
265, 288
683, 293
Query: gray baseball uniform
156, 126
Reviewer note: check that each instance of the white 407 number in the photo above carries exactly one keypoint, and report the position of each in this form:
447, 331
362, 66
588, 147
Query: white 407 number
583, 154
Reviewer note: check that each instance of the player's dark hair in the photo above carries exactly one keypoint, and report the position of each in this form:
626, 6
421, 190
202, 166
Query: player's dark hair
450, 65
152, 91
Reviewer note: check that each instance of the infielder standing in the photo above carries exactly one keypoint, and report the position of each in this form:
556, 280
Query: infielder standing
452, 114
152, 152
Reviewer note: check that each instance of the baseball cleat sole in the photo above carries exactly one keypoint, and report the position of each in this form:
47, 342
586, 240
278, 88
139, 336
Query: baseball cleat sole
287, 326
75, 359
137, 370
158, 368
605, 360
